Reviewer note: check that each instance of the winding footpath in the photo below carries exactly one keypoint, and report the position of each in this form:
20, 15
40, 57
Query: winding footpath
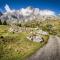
51, 51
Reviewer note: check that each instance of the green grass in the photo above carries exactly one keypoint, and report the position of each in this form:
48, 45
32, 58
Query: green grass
16, 46
54, 30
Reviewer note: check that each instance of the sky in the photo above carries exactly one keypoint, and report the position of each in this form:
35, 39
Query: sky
53, 5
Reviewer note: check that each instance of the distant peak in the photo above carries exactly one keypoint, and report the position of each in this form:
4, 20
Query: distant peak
7, 8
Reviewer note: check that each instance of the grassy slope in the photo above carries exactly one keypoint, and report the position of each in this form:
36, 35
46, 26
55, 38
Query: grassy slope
16, 46
55, 24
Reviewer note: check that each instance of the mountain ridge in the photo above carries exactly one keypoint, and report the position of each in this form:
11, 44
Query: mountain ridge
28, 13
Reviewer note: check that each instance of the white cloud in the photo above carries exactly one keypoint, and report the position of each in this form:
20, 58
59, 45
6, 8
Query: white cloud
47, 12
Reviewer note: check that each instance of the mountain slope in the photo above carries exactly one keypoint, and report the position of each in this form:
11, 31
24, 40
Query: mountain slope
26, 14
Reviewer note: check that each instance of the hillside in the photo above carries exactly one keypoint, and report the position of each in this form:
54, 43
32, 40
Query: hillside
24, 31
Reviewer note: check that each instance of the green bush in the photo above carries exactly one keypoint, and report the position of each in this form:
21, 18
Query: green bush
0, 22
4, 23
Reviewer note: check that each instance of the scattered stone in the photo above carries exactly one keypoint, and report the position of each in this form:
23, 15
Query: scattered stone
41, 32
35, 38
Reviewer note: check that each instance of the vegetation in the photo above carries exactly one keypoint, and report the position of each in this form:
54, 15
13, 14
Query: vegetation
20, 25
4, 23
51, 26
0, 22
32, 24
15, 46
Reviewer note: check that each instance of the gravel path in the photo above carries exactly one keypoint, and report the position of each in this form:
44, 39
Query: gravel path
51, 51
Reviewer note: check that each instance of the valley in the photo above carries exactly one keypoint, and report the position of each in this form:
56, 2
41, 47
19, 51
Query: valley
29, 34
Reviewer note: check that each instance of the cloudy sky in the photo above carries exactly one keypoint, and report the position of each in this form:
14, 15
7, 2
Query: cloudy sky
53, 5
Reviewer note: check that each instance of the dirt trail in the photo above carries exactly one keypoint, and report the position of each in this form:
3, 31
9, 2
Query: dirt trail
49, 52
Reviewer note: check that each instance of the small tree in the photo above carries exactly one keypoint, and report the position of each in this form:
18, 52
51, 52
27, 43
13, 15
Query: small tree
20, 25
4, 23
0, 22
47, 27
